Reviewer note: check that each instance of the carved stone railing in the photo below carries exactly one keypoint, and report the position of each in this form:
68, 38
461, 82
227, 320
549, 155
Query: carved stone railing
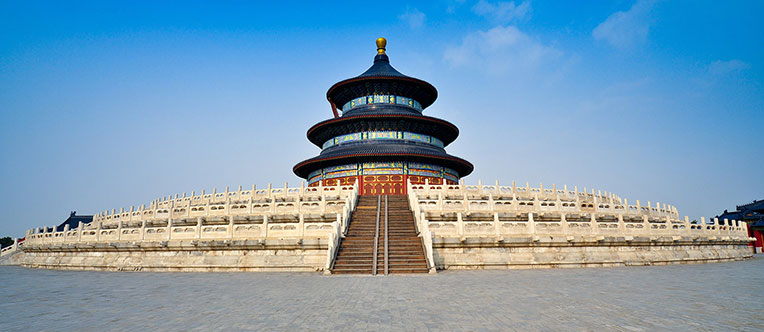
422, 228
311, 213
320, 199
462, 211
12, 248
339, 230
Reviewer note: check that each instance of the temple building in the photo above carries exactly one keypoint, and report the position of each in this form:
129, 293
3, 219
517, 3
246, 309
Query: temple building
753, 214
381, 140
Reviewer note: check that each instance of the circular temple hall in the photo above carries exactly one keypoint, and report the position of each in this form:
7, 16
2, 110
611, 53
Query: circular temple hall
379, 137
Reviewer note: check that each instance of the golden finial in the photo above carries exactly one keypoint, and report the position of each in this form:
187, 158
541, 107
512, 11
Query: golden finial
381, 43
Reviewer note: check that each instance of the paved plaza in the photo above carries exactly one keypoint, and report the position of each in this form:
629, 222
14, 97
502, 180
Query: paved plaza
703, 297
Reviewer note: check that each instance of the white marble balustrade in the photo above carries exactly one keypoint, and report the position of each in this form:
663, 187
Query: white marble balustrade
254, 214
500, 211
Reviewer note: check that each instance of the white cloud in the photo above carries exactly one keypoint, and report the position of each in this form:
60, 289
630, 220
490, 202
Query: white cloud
626, 29
502, 12
413, 17
720, 67
500, 50
453, 4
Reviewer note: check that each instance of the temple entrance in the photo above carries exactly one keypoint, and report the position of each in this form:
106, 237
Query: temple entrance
383, 185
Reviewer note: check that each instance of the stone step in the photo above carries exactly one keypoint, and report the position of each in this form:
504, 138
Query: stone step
405, 253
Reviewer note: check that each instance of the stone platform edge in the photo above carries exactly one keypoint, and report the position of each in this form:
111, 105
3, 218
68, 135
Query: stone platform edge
283, 255
548, 252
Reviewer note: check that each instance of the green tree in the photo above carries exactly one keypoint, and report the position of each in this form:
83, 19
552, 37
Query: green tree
6, 241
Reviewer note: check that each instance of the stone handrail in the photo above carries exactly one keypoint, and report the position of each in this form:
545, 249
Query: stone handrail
12, 248
422, 228
484, 211
339, 230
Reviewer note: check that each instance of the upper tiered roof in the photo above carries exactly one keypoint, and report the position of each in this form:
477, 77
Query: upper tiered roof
382, 78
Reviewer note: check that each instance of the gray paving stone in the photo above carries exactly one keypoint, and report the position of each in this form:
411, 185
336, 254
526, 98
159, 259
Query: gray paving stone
705, 297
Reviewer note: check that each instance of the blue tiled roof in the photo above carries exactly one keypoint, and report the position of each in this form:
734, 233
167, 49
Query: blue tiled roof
382, 109
387, 150
382, 67
382, 78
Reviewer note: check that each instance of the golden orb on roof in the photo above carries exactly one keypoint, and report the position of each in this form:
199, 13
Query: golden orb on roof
381, 43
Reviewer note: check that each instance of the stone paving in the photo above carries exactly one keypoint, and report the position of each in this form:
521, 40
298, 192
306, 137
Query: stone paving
704, 297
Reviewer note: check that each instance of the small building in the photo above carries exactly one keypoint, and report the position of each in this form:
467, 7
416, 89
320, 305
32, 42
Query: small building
753, 214
74, 221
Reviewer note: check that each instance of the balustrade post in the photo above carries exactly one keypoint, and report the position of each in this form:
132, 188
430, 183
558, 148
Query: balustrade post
515, 205
595, 201
514, 189
578, 198
703, 226
496, 224
563, 223
80, 226
119, 230
265, 226
301, 225
231, 226
670, 225
595, 226
621, 225
341, 220
143, 230
646, 223
459, 224
169, 229
531, 224
198, 230
227, 202
717, 226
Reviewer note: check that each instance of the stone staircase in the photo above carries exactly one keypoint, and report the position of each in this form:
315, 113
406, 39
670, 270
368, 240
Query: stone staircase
405, 253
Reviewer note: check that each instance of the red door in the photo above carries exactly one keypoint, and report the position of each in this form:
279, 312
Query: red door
383, 185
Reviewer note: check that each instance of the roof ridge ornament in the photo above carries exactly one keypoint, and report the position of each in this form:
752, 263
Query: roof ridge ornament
381, 43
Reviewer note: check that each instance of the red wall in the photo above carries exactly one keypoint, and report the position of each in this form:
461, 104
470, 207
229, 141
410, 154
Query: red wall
759, 243
382, 184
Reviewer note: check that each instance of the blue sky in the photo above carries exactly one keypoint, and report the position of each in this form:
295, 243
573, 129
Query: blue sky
109, 104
